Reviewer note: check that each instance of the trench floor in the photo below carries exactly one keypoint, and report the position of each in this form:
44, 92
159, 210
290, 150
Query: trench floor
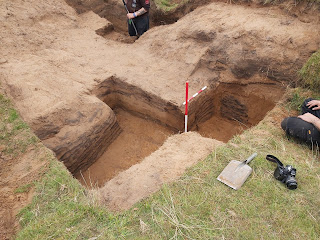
138, 139
141, 137
219, 128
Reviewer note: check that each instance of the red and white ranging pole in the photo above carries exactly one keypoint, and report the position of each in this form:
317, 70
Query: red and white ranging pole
186, 109
186, 103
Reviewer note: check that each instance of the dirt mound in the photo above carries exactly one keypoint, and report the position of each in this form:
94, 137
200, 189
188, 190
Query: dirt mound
65, 79
167, 164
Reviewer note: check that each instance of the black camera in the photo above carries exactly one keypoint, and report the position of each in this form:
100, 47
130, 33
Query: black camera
285, 174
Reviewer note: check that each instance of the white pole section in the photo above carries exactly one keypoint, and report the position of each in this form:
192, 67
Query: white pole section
186, 109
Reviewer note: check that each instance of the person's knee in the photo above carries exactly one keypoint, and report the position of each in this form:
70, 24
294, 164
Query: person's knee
284, 123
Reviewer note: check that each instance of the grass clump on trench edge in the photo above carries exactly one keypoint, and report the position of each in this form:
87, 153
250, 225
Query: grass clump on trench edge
310, 73
197, 206
167, 5
15, 136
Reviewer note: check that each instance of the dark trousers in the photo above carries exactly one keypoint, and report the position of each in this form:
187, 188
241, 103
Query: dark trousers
300, 129
141, 23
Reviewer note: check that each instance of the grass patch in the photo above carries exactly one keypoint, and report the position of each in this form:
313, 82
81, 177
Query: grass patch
15, 135
61, 209
167, 5
25, 188
310, 72
296, 96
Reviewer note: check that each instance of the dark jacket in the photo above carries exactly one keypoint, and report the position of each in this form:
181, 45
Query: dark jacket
135, 5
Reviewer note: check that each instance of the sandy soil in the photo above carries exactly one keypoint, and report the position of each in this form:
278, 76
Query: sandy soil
167, 164
53, 65
138, 139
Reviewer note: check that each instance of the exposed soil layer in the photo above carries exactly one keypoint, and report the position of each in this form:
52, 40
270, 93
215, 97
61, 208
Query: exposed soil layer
115, 13
146, 121
234, 108
65, 78
118, 93
138, 139
167, 164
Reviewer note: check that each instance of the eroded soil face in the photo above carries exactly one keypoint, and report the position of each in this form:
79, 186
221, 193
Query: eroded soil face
138, 139
75, 81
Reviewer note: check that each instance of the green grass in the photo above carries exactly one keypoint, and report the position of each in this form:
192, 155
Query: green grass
61, 209
15, 135
296, 97
167, 5
310, 73
25, 188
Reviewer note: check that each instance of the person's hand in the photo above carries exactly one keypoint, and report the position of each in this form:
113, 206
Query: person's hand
308, 117
130, 15
314, 104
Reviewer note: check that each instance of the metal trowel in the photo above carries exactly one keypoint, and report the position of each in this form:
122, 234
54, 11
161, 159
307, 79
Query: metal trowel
236, 173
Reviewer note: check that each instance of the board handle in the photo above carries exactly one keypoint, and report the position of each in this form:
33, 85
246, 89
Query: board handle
249, 159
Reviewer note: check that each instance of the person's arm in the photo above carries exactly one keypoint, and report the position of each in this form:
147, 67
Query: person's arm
308, 117
145, 6
138, 13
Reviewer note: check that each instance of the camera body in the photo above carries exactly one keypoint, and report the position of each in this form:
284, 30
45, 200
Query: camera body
286, 175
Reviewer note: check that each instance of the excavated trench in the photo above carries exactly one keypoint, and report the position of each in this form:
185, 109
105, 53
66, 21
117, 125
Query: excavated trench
145, 121
115, 13
118, 125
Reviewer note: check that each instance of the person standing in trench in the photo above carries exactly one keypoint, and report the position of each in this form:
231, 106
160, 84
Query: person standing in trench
139, 14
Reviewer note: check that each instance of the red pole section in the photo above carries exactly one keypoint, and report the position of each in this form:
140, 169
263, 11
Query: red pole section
186, 109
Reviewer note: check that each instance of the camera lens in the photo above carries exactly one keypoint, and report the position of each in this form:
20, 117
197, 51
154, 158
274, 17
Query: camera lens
291, 183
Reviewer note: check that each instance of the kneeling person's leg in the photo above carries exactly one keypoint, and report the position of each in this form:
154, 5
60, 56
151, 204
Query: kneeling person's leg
300, 129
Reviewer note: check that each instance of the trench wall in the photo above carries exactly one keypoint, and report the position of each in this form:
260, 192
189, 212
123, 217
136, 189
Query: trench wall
117, 93
78, 135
